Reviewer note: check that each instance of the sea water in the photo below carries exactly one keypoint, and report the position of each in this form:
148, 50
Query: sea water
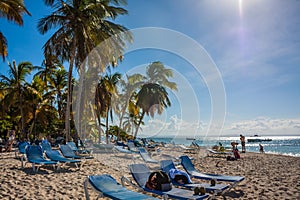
285, 145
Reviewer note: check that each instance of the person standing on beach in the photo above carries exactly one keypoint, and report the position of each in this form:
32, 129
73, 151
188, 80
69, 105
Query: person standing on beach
261, 148
243, 142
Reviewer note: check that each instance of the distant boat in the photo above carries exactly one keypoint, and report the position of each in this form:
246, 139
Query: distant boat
190, 138
257, 139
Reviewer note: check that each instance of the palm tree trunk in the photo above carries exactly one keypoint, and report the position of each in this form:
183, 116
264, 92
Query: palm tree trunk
99, 128
106, 124
22, 113
121, 121
34, 121
59, 106
138, 126
68, 109
122, 116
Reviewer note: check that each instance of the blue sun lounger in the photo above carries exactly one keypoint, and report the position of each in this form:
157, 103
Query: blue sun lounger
21, 150
190, 169
140, 173
103, 148
107, 186
166, 165
122, 150
67, 152
46, 146
132, 147
145, 155
34, 155
76, 150
54, 155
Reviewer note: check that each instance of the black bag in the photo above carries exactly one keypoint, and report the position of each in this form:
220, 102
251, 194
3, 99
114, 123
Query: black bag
182, 179
230, 158
159, 180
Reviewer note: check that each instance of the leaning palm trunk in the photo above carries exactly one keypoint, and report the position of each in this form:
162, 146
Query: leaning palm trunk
139, 124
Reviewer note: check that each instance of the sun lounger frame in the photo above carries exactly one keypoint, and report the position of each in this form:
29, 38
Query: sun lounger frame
190, 169
165, 195
219, 189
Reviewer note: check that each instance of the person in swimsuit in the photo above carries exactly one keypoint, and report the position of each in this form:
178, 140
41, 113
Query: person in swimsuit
243, 142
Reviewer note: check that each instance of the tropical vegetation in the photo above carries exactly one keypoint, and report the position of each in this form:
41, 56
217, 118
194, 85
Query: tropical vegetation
36, 100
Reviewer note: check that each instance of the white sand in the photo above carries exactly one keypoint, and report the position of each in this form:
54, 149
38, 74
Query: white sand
266, 176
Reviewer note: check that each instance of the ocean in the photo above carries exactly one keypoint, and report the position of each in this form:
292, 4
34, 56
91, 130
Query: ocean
285, 145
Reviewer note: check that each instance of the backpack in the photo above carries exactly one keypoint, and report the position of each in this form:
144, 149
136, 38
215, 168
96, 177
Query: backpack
159, 180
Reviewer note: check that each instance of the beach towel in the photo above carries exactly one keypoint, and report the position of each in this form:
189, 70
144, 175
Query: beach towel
178, 174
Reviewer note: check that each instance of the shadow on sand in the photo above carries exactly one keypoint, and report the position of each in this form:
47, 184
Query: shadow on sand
236, 194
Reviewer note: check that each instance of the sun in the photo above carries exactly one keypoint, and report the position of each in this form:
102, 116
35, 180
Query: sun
241, 8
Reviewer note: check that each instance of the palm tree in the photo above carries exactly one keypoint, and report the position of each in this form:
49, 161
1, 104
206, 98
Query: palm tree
157, 73
151, 98
16, 86
39, 105
55, 78
157, 76
125, 98
58, 82
81, 26
131, 123
49, 65
101, 103
12, 10
105, 91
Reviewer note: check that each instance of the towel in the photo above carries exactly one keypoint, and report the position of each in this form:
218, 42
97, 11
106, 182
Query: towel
174, 172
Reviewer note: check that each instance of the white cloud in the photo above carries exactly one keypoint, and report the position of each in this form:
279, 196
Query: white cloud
266, 126
175, 127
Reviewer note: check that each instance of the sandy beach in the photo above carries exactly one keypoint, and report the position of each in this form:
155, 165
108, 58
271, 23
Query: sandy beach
267, 176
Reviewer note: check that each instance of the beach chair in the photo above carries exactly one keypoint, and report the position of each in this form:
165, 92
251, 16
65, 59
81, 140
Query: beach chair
107, 186
34, 155
103, 148
76, 150
145, 155
54, 155
46, 146
121, 143
148, 146
167, 165
141, 173
21, 150
132, 147
126, 153
212, 152
121, 149
190, 169
69, 153
188, 149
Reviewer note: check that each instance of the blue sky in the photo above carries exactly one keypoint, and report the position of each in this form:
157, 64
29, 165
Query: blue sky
254, 45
